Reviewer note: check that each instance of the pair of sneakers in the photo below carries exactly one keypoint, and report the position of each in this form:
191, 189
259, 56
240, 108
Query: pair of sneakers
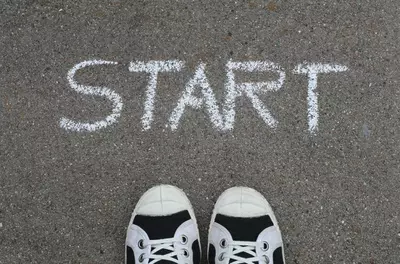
163, 229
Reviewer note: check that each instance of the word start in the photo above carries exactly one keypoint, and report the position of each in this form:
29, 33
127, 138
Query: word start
222, 118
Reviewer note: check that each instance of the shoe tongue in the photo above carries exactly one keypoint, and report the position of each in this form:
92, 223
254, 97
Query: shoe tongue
242, 255
164, 252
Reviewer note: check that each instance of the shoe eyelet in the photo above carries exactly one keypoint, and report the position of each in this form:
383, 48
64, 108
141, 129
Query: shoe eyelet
265, 246
266, 259
221, 257
141, 257
222, 243
186, 253
184, 240
140, 244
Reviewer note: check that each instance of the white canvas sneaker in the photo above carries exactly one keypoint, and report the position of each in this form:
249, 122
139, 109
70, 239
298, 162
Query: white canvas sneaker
163, 229
244, 230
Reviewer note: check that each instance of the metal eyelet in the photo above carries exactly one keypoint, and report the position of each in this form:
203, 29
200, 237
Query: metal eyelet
221, 257
266, 259
141, 257
184, 240
265, 246
140, 244
222, 243
186, 253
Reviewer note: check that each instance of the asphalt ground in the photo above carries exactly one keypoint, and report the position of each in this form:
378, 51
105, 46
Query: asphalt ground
66, 197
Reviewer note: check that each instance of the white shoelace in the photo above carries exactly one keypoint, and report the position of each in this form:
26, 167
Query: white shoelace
162, 244
247, 248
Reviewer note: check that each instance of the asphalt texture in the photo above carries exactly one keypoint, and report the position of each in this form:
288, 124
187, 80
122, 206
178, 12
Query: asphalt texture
66, 197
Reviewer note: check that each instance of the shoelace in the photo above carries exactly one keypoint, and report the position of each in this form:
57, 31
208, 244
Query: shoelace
245, 248
161, 245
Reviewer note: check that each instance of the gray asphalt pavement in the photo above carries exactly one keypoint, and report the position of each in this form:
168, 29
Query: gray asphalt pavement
66, 197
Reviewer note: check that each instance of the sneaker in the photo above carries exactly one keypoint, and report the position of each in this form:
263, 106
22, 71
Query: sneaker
163, 229
244, 230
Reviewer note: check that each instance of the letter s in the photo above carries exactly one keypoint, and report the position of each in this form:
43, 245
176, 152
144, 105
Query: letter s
114, 97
